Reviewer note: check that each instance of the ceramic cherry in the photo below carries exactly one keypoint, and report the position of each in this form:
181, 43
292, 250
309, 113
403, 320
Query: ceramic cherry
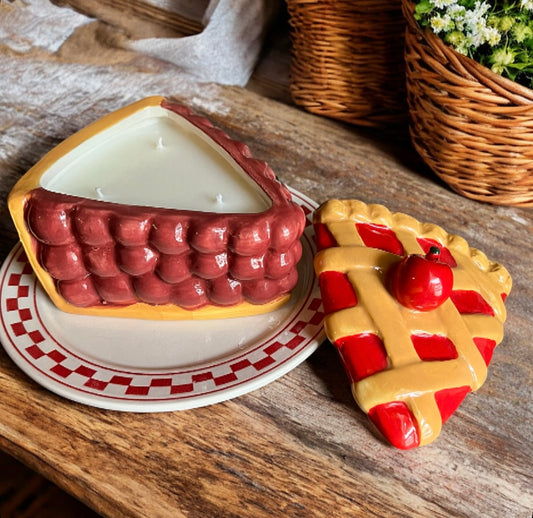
421, 282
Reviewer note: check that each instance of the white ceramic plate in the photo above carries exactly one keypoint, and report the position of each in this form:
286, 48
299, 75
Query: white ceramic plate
155, 366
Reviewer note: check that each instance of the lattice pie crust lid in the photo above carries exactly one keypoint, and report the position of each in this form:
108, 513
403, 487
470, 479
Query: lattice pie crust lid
409, 369
120, 259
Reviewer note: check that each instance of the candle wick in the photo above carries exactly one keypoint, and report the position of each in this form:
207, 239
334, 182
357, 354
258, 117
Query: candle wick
99, 193
160, 143
219, 199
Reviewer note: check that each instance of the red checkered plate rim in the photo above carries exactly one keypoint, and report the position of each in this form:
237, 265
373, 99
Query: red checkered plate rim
151, 366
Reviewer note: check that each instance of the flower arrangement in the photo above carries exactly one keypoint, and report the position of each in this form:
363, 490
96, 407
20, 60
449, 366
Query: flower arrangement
497, 34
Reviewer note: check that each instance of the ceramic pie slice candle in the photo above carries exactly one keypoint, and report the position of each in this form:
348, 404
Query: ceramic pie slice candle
414, 312
151, 212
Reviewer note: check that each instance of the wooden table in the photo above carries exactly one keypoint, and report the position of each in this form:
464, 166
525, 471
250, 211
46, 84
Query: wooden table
299, 446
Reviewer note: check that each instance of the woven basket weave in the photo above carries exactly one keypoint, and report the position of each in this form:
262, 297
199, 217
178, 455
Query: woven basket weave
347, 59
473, 127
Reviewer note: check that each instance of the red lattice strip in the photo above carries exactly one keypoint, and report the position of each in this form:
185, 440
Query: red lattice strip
396, 422
379, 236
323, 237
486, 347
362, 355
432, 348
337, 291
469, 302
448, 400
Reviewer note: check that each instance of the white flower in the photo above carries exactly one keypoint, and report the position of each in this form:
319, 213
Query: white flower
492, 36
476, 32
442, 4
441, 23
478, 13
496, 33
457, 12
527, 5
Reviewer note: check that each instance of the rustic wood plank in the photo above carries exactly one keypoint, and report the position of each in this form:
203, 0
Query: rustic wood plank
298, 446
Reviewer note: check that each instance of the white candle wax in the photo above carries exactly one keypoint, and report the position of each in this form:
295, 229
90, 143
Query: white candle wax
155, 158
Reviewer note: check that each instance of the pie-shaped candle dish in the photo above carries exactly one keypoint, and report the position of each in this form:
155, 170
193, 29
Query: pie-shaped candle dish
152, 212
411, 355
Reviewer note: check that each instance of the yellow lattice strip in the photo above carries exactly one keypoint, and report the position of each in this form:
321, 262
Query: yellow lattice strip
427, 415
345, 233
461, 337
410, 381
429, 322
484, 326
408, 240
347, 322
346, 258
385, 312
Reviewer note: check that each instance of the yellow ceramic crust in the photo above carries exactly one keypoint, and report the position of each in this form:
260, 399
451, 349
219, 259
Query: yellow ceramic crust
18, 200
169, 311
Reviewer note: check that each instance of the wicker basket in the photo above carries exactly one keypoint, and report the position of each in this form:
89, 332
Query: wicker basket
472, 127
347, 59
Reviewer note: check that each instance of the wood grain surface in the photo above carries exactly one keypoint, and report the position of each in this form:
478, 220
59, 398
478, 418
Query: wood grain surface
26, 494
299, 446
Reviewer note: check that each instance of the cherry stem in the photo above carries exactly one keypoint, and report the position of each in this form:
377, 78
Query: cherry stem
433, 253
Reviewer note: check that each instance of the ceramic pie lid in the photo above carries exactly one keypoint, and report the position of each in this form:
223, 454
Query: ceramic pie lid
410, 363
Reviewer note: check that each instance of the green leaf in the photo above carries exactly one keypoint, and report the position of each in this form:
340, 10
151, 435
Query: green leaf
423, 7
